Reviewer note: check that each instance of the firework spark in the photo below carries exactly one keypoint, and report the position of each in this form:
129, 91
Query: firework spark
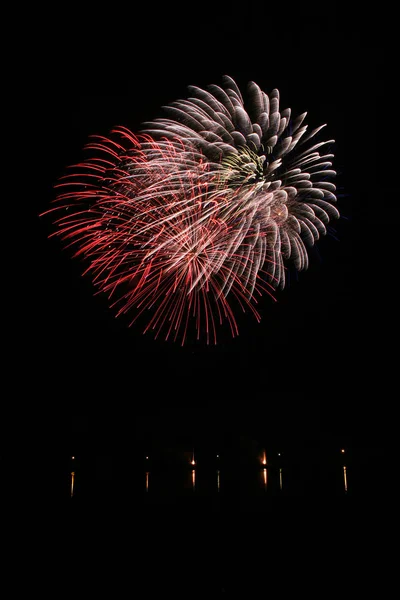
199, 213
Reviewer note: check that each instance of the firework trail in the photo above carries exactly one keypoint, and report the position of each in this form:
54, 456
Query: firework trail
199, 213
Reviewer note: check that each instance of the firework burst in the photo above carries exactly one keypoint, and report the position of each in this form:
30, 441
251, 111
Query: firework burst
203, 207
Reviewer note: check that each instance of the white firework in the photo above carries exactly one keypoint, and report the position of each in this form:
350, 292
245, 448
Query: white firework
207, 203
270, 178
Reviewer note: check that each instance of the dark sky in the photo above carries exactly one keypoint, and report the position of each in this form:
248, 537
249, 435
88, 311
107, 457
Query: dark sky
309, 369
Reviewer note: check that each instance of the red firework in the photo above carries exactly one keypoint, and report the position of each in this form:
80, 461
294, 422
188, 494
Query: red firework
199, 210
154, 240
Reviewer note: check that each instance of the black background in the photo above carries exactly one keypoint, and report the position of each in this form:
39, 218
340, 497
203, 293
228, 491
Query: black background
311, 372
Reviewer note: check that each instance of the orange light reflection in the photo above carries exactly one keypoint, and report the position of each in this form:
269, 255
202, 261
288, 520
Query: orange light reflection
194, 479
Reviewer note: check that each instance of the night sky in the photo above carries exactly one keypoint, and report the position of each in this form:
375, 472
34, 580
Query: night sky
309, 372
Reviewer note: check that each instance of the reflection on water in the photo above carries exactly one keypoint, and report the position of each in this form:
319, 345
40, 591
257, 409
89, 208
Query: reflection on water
265, 479
240, 480
344, 472
72, 479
